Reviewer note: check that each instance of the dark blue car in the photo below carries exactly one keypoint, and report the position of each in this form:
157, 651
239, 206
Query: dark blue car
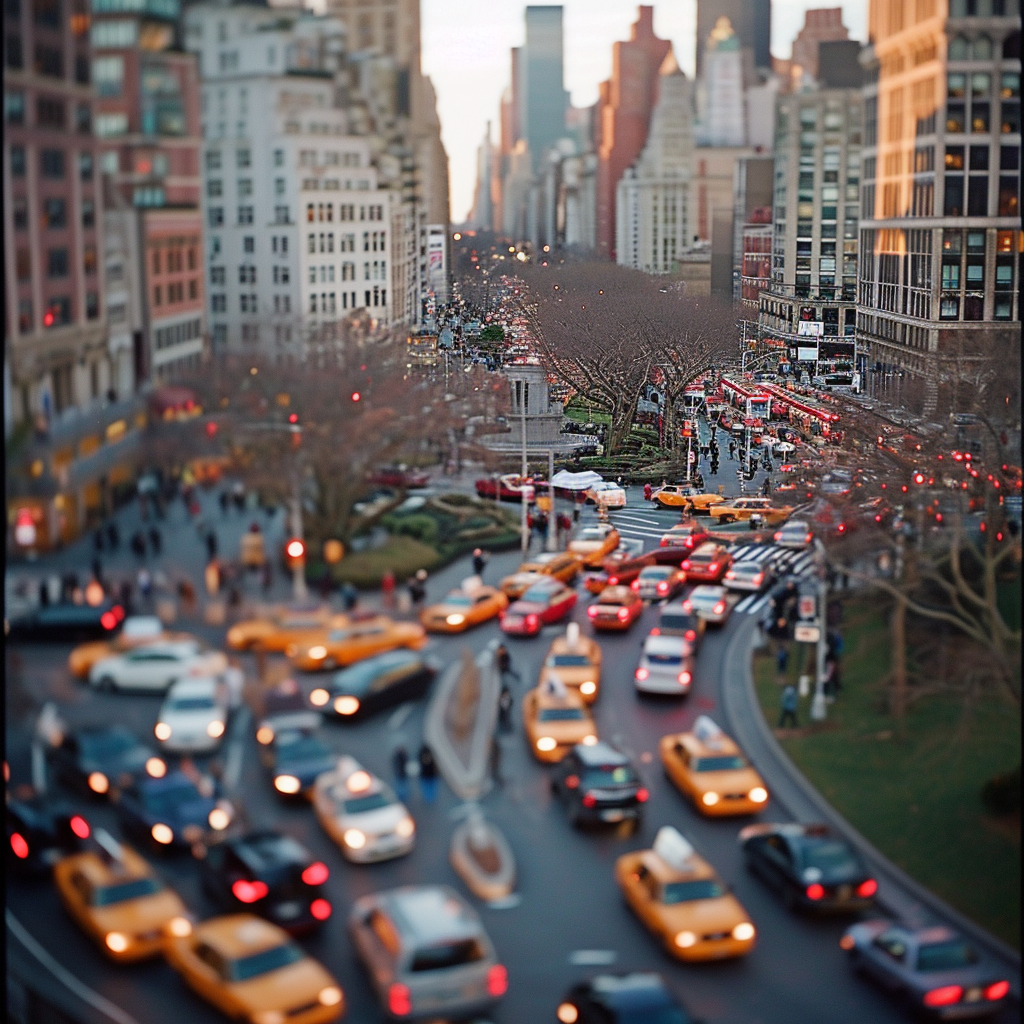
295, 758
98, 760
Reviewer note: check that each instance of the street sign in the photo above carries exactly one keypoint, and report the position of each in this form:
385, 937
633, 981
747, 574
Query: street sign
806, 606
805, 633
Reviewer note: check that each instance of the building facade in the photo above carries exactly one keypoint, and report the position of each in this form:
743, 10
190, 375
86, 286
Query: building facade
823, 24
543, 99
55, 331
940, 233
751, 20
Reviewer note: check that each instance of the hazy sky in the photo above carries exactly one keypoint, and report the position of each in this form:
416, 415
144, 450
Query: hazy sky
466, 47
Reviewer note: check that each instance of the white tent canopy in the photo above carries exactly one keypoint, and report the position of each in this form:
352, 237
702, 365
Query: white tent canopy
576, 481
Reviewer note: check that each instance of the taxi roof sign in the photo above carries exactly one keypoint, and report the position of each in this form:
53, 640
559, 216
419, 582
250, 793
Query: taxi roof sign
705, 728
671, 846
572, 633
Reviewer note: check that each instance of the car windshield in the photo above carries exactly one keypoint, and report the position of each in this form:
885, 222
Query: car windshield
945, 956
167, 801
720, 764
450, 954
539, 595
702, 599
372, 802
675, 622
655, 574
108, 895
561, 715
829, 856
612, 599
591, 534
305, 749
268, 960
568, 661
697, 557
610, 775
363, 673
664, 658
191, 704
697, 889
459, 600
106, 744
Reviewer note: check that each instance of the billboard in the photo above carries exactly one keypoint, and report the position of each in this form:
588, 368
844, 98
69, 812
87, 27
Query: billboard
808, 355
810, 328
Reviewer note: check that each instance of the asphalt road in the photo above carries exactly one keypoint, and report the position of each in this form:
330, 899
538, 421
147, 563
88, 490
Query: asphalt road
570, 917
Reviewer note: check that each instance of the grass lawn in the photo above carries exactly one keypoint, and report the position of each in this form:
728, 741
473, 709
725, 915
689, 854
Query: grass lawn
916, 800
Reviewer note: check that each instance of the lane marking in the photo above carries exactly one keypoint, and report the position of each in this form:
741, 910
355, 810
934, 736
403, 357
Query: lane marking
592, 957
745, 603
508, 902
86, 994
398, 717
758, 605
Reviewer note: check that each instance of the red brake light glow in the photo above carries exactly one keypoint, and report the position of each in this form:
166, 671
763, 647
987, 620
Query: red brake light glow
655, 631
684, 678
19, 846
687, 606
635, 585
613, 581
531, 621
867, 888
572, 781
320, 909
107, 620
713, 567
691, 635
589, 800
592, 610
399, 1001
720, 607
497, 980
815, 891
623, 614
249, 892
944, 996
641, 674
997, 990
118, 612
642, 795
316, 874
79, 826
685, 564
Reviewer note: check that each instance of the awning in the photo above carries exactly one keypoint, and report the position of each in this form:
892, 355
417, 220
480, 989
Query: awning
576, 481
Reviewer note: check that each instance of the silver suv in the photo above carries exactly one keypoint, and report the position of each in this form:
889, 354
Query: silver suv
426, 952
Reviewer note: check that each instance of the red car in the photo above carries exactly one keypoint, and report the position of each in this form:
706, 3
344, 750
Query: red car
545, 602
506, 488
617, 568
395, 476
707, 564
617, 608
689, 535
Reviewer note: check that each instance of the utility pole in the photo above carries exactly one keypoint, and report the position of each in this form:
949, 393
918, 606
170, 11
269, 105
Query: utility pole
552, 544
299, 591
524, 521
819, 707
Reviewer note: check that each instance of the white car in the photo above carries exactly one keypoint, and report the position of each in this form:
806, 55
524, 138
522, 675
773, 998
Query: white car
362, 814
748, 574
142, 627
193, 717
711, 603
608, 494
155, 666
666, 666
796, 534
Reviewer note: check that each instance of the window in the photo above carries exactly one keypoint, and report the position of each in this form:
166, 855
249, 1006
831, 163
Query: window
980, 116
85, 166
57, 263
245, 214
1010, 123
58, 312
23, 264
249, 243
20, 214
245, 187
214, 188
953, 205
279, 186
25, 315
312, 244
17, 161
243, 158
281, 215
14, 107
54, 213
956, 117
92, 308
108, 75
279, 158
51, 163
13, 57
114, 35
1008, 195
219, 303
218, 275
88, 214
109, 125
215, 215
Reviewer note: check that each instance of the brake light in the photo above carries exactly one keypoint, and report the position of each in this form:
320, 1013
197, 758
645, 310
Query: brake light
997, 990
944, 996
572, 781
867, 888
807, 539
759, 578
685, 564
662, 588
589, 800
642, 795
641, 674
684, 678
730, 575
107, 620
613, 580
315, 874
655, 631
592, 610
79, 826
720, 607
635, 585
623, 614
320, 909
118, 612
841, 527
497, 980
249, 892
531, 621
778, 536
687, 606
878, 519
19, 846
691, 635
399, 1000
815, 891
713, 567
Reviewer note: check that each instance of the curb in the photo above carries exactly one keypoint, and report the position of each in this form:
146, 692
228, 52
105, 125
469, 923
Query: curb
899, 894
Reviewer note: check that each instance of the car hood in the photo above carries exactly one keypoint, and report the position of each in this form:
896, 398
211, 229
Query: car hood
526, 608
384, 819
287, 987
720, 914
131, 761
189, 721
307, 768
139, 916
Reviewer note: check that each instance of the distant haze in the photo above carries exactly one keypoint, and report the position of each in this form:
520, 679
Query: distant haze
466, 47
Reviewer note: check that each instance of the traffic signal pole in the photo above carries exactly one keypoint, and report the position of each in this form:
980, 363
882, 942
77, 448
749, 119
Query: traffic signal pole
819, 706
299, 590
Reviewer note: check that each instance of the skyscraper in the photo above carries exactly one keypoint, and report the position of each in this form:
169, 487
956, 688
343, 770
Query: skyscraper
543, 100
820, 25
750, 19
623, 115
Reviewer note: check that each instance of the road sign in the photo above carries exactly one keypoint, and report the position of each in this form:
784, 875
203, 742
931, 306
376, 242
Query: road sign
805, 633
806, 606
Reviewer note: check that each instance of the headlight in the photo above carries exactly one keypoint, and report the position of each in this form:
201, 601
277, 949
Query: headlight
287, 784
330, 996
268, 1017
317, 653
685, 939
319, 697
219, 819
546, 743
98, 782
162, 731
354, 838
590, 740
455, 620
117, 942
758, 795
567, 1013
405, 828
346, 705
179, 927
710, 799
215, 729
264, 735
162, 833
156, 767
587, 688
743, 931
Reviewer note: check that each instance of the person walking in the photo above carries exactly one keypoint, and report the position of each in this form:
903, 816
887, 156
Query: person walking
418, 587
211, 546
782, 661
349, 596
648, 490
790, 702
267, 576
505, 708
387, 586
113, 536
732, 450
479, 561
400, 763
428, 774
225, 501
138, 544
144, 581
504, 662
495, 762
155, 540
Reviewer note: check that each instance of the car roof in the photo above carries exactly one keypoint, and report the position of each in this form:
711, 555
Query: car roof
263, 851
674, 608
636, 991
102, 870
658, 570
600, 753
797, 524
584, 645
427, 914
661, 644
141, 626
708, 590
722, 746
616, 595
750, 565
695, 867
709, 547
239, 935
193, 686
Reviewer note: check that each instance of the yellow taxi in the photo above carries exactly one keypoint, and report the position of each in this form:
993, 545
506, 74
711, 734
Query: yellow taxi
563, 565
284, 630
252, 971
84, 656
336, 648
709, 768
737, 510
469, 605
117, 899
686, 497
556, 719
575, 661
679, 897
594, 544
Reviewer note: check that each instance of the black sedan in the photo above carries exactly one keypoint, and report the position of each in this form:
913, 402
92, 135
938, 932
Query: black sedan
40, 832
269, 874
95, 759
599, 784
375, 683
932, 969
813, 868
173, 811
622, 999
67, 622
295, 758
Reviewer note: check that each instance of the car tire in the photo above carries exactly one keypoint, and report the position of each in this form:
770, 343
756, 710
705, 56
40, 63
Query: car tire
107, 684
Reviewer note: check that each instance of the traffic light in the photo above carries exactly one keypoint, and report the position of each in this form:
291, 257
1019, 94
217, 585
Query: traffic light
919, 478
295, 553
211, 429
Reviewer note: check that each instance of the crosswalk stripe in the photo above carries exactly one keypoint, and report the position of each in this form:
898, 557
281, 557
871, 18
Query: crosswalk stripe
745, 603
758, 604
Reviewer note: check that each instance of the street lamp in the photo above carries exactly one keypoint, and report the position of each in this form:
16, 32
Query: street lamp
819, 706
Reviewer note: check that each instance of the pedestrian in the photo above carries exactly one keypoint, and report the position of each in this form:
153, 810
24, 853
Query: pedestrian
155, 540
782, 660
113, 536
564, 524
428, 774
138, 544
239, 495
479, 561
648, 490
790, 701
766, 487
125, 594
505, 708
44, 593
495, 762
97, 540
144, 582
576, 513
349, 596
732, 450
97, 570
417, 587
225, 501
400, 763
187, 593
211, 546
387, 586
